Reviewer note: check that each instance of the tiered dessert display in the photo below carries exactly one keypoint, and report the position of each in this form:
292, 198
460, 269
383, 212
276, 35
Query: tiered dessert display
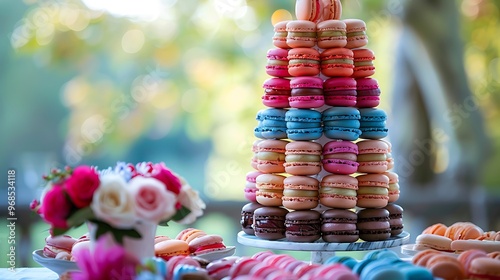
322, 179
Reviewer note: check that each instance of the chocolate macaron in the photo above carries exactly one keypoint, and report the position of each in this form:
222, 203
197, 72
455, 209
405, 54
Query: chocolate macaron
395, 218
247, 217
303, 226
373, 224
269, 222
339, 226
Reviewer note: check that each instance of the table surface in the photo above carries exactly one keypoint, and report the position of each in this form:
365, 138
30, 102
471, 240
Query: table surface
28, 273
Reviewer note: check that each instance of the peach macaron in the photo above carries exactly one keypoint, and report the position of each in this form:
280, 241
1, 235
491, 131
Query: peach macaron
373, 190
372, 156
269, 189
338, 191
300, 193
303, 158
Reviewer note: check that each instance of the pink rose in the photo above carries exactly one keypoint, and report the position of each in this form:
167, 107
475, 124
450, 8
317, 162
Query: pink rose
81, 185
152, 201
167, 177
56, 207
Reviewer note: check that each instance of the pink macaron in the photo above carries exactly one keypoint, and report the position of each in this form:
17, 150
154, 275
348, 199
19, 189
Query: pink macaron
250, 187
307, 92
206, 244
318, 10
276, 92
280, 34
277, 62
368, 93
220, 268
340, 91
57, 244
303, 62
339, 157
363, 63
242, 267
337, 62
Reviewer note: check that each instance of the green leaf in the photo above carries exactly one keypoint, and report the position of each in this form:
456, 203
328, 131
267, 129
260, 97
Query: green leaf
80, 216
181, 213
59, 231
118, 234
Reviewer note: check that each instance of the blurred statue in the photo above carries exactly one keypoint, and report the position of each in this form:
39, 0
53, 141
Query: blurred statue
438, 134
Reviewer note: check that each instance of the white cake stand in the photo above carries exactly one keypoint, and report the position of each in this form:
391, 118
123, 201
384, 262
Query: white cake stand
321, 251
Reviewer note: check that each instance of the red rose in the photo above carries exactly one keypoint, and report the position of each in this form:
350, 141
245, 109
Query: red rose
81, 185
56, 207
161, 173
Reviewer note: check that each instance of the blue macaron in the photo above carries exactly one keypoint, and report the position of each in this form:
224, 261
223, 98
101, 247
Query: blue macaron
345, 260
341, 123
271, 124
303, 124
373, 123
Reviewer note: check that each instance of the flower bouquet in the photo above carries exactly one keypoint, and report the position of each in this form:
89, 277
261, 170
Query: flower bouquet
120, 202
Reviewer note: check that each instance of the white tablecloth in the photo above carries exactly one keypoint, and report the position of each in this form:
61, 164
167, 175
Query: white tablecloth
28, 273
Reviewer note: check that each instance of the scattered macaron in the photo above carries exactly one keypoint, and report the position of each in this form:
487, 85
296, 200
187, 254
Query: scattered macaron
169, 248
206, 244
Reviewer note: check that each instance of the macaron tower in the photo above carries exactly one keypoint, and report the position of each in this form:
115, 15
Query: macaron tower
320, 134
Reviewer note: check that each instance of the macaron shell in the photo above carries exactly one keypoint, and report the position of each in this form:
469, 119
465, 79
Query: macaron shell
485, 268
337, 62
307, 10
280, 34
331, 34
363, 63
303, 62
301, 34
356, 33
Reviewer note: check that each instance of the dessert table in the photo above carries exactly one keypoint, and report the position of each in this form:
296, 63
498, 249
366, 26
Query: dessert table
28, 273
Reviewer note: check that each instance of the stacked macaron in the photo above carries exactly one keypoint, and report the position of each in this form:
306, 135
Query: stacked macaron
321, 100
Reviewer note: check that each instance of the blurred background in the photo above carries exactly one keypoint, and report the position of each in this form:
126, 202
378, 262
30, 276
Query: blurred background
100, 81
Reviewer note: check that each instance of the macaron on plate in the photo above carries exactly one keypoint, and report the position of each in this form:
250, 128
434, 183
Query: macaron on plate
219, 254
56, 265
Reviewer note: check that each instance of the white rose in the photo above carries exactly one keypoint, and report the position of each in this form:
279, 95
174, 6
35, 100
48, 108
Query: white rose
112, 203
191, 199
152, 200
